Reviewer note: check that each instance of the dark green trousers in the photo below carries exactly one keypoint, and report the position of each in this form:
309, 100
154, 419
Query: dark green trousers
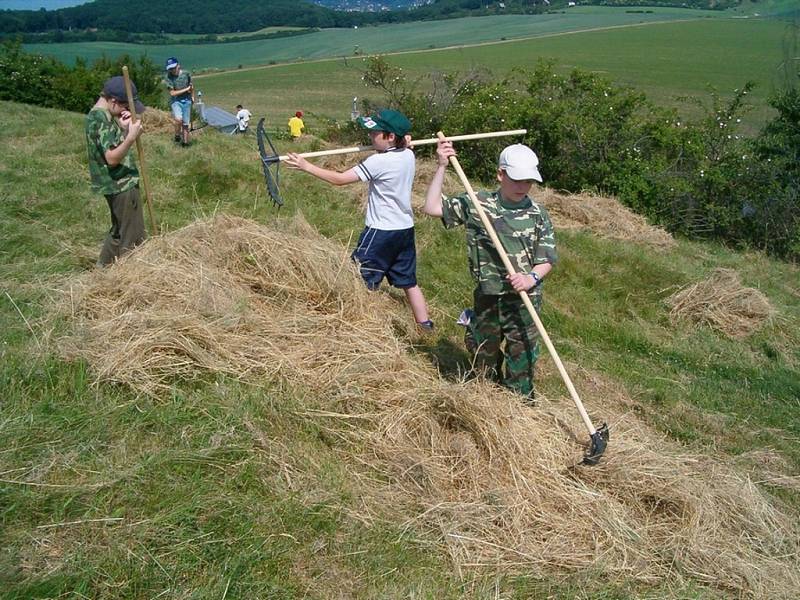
127, 226
504, 341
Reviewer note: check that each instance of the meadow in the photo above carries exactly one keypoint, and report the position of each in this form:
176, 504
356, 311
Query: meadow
674, 64
223, 487
330, 43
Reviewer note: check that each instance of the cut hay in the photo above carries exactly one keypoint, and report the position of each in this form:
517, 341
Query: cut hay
225, 296
463, 464
157, 121
721, 302
606, 217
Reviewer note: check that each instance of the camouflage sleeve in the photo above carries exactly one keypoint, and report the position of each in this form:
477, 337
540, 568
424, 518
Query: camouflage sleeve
546, 242
102, 133
170, 85
92, 133
455, 211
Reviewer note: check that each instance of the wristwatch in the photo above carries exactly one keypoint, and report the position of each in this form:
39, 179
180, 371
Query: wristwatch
536, 279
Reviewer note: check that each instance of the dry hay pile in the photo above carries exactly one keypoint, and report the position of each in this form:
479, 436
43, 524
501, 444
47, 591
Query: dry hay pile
422, 178
484, 476
224, 296
606, 217
723, 303
158, 121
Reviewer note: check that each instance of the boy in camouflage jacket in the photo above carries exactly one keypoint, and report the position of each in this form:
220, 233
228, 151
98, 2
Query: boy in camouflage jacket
501, 334
110, 133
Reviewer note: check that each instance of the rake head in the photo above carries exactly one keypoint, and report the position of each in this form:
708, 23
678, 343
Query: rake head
598, 444
270, 163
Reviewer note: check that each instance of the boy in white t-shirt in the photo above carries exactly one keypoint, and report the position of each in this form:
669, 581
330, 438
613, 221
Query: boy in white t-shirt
243, 118
386, 246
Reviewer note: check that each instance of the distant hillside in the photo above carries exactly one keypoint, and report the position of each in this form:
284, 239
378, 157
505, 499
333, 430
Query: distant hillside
216, 16
156, 16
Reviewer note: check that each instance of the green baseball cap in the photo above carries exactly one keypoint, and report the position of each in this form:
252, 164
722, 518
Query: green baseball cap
390, 121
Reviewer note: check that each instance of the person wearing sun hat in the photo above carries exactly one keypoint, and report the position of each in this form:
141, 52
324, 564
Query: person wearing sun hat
386, 247
500, 333
110, 133
181, 96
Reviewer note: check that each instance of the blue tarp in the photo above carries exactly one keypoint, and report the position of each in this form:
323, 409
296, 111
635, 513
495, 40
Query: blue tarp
221, 119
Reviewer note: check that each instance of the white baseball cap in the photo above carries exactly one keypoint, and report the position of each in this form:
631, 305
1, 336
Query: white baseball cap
520, 162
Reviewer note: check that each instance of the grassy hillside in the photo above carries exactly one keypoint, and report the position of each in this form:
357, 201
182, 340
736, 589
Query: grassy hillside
666, 61
221, 487
330, 43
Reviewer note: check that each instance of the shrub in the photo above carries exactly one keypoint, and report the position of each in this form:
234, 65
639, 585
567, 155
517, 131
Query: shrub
34, 79
699, 177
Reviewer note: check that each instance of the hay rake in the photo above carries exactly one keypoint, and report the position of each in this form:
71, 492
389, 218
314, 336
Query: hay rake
598, 437
270, 159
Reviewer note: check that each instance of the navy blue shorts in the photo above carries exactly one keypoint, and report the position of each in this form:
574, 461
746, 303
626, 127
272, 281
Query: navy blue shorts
389, 254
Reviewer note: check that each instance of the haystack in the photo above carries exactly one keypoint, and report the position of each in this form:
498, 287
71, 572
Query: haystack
606, 217
723, 303
157, 121
465, 464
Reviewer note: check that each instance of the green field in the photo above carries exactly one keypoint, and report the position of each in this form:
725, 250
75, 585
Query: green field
665, 60
264, 486
667, 53
226, 36
379, 39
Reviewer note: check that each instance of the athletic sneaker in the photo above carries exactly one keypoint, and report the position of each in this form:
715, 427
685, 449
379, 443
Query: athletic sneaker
466, 316
426, 326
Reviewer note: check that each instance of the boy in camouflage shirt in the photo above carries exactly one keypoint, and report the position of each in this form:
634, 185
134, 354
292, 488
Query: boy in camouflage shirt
110, 133
501, 333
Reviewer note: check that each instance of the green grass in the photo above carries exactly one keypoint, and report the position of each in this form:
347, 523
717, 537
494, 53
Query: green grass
221, 489
670, 54
330, 43
668, 62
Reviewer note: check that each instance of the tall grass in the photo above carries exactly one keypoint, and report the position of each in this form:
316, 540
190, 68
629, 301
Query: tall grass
221, 489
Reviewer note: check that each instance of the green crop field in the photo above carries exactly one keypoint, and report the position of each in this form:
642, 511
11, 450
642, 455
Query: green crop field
380, 39
669, 54
665, 60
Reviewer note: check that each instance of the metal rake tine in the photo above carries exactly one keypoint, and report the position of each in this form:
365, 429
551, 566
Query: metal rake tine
267, 161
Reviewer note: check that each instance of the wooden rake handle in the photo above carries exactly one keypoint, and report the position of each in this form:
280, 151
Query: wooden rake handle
140, 153
525, 298
455, 138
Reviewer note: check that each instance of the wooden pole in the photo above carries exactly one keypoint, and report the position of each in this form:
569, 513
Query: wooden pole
524, 295
455, 138
140, 153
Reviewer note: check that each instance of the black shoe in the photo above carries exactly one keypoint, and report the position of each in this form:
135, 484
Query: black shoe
177, 137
